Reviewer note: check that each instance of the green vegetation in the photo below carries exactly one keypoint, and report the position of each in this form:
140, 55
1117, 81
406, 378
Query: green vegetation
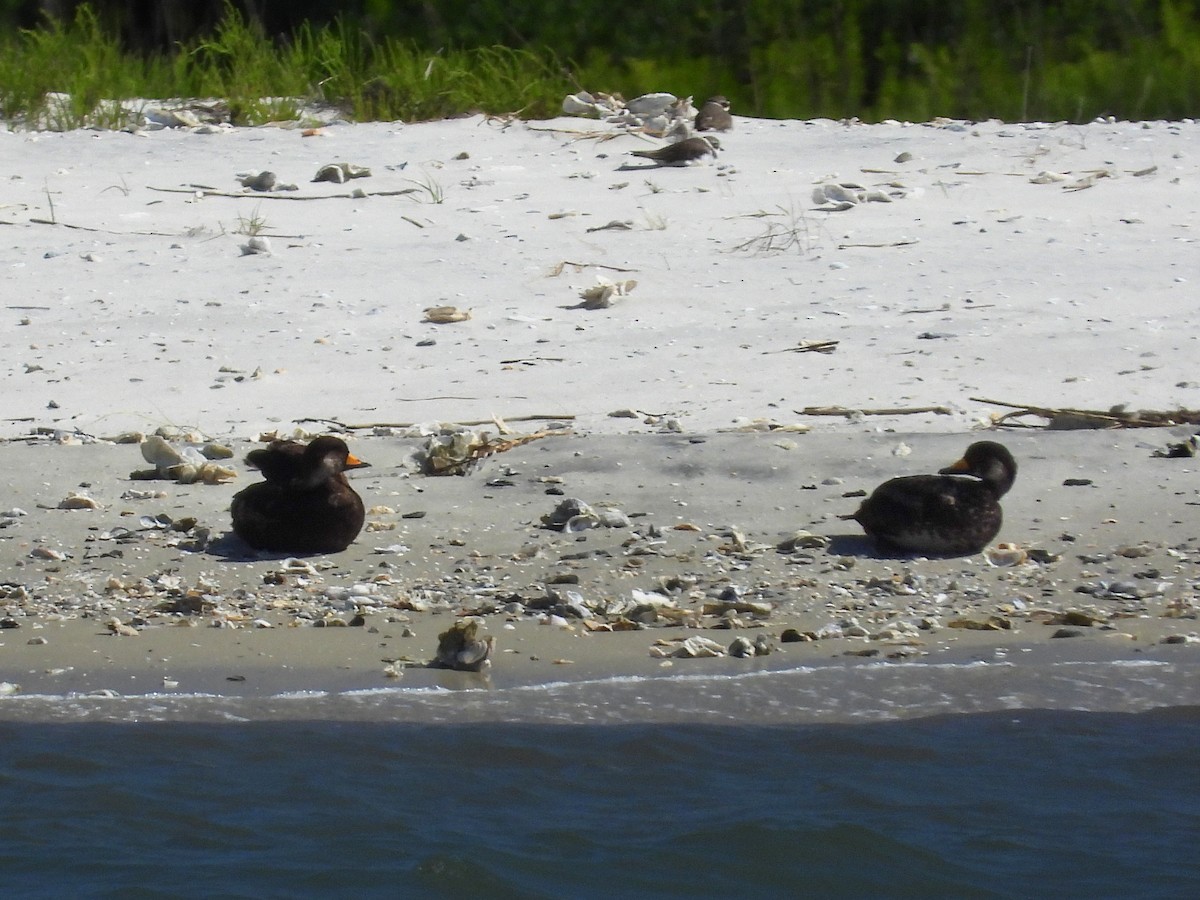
874, 59
67, 75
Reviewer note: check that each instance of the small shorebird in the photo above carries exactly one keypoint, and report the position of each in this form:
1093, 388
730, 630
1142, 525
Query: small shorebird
714, 115
954, 513
681, 153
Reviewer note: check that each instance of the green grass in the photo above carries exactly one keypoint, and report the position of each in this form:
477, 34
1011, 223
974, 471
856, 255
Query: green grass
1070, 60
74, 74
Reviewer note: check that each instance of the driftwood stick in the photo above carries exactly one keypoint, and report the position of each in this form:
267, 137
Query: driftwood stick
1069, 417
849, 412
357, 426
561, 267
102, 230
904, 243
276, 195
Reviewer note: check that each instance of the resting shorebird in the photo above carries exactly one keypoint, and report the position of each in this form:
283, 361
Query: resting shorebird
714, 115
954, 513
305, 505
681, 153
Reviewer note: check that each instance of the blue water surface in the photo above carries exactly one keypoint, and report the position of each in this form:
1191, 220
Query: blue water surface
1016, 804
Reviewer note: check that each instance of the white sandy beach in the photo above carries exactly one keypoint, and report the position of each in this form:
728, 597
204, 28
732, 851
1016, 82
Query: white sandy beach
1048, 265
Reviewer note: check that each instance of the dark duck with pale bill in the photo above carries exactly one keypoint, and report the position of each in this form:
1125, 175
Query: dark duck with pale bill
305, 505
954, 513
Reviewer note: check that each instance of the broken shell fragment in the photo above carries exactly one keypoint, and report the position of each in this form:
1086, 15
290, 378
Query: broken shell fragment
187, 466
571, 515
741, 648
339, 173
47, 553
260, 181
445, 315
256, 244
1005, 554
605, 293
694, 647
77, 501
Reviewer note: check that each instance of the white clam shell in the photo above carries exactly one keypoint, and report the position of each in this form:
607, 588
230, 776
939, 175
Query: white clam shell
650, 104
1005, 554
157, 451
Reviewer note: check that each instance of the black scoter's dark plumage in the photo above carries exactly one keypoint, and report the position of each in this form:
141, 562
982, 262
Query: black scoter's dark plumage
279, 461
305, 505
954, 513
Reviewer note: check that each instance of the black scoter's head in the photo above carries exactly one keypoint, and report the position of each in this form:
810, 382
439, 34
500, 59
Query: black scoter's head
330, 454
990, 462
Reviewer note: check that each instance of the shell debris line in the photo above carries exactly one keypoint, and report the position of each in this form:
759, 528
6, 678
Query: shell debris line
186, 465
455, 451
660, 114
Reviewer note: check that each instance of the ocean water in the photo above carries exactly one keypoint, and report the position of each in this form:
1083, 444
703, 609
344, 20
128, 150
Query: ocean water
634, 788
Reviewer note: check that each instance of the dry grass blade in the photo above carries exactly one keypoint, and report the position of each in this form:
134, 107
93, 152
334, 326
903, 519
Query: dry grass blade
793, 233
851, 412
579, 267
808, 347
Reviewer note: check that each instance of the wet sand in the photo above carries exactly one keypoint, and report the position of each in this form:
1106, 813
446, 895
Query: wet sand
707, 513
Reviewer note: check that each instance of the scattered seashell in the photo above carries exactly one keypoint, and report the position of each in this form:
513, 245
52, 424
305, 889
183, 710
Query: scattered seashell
802, 540
77, 501
460, 648
47, 553
445, 315
1048, 177
256, 244
592, 106
119, 628
651, 104
1005, 554
1181, 450
339, 173
693, 647
260, 181
132, 494
186, 466
992, 623
603, 294
213, 450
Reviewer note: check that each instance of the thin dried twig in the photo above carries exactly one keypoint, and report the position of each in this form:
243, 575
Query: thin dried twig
275, 195
904, 243
808, 347
850, 412
358, 426
576, 134
579, 267
102, 230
